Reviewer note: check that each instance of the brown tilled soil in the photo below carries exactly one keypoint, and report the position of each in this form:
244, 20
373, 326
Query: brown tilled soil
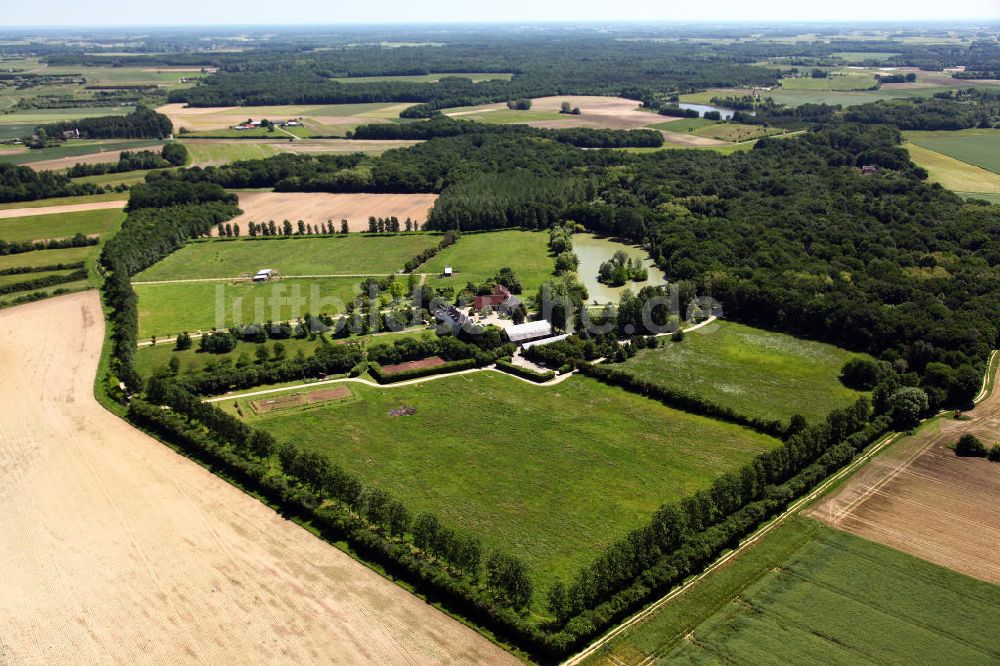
54, 210
921, 498
115, 549
431, 362
319, 207
298, 399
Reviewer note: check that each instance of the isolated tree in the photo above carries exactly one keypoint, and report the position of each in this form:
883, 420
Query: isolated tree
558, 600
236, 229
174, 365
408, 224
286, 228
279, 351
302, 227
994, 454
372, 224
860, 373
344, 228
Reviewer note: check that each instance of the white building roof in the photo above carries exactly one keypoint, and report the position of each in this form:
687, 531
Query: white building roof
544, 341
529, 330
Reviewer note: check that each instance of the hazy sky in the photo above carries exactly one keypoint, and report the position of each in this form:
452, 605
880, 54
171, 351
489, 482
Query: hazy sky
243, 12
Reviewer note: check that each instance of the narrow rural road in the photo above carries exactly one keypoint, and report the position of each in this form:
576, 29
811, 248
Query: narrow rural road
115, 549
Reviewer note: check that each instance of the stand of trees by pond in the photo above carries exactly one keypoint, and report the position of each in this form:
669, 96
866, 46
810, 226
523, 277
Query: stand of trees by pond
621, 268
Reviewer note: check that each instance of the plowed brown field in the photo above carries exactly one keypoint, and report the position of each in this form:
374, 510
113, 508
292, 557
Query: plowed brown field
921, 498
115, 549
319, 207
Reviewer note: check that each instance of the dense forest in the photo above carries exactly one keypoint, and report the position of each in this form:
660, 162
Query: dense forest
21, 183
953, 110
142, 123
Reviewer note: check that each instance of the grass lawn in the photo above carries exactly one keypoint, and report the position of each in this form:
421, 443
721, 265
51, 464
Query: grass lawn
168, 309
303, 255
837, 80
551, 474
36, 227
952, 173
47, 257
46, 292
980, 147
808, 593
125, 178
24, 277
477, 257
684, 125
756, 372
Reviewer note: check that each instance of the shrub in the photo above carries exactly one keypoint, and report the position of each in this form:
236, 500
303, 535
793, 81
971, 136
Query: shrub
969, 445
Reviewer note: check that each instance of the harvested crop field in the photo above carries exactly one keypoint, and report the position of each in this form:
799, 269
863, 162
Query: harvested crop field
223, 117
318, 207
266, 405
55, 210
919, 497
214, 152
431, 362
116, 549
595, 111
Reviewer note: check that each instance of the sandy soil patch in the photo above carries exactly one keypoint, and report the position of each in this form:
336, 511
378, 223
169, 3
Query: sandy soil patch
317, 207
690, 139
266, 405
102, 157
919, 497
115, 549
431, 362
55, 210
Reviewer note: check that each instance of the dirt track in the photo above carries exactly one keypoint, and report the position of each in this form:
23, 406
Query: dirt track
319, 207
919, 497
68, 208
115, 549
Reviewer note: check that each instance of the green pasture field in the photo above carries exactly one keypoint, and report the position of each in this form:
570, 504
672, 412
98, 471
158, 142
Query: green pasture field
168, 309
844, 98
37, 227
149, 359
806, 593
477, 257
861, 56
152, 358
222, 152
24, 277
551, 474
979, 147
66, 201
47, 257
836, 80
952, 173
476, 77
36, 117
79, 285
75, 148
722, 149
756, 372
125, 178
684, 125
375, 254
735, 132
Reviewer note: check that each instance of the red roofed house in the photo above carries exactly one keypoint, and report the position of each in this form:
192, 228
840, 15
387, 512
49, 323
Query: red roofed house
499, 295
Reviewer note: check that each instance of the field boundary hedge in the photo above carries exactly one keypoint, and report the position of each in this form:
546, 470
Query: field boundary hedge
375, 370
525, 373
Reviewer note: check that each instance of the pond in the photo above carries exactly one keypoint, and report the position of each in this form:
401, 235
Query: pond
726, 114
594, 251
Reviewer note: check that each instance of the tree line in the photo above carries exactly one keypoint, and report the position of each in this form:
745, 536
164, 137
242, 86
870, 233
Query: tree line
142, 123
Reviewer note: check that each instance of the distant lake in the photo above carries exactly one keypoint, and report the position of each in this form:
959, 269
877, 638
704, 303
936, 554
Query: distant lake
702, 108
594, 251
